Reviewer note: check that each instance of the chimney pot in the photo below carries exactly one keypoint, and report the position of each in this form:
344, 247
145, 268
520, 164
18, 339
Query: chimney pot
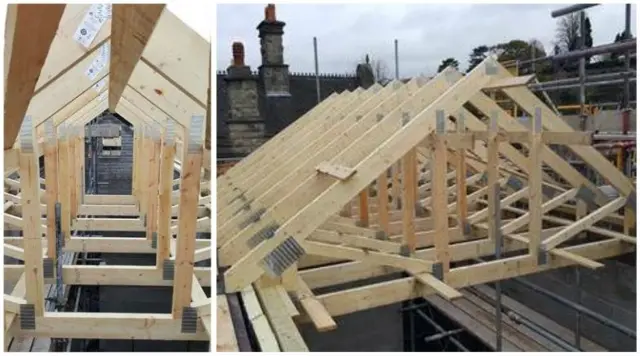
238, 54
270, 13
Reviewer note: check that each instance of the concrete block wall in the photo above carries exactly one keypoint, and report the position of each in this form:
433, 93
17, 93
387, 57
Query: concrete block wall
115, 172
609, 291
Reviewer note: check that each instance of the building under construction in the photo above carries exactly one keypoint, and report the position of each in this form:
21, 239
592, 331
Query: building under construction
107, 173
430, 215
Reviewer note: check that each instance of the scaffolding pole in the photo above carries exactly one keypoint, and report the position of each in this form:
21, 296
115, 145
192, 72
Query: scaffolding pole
571, 9
396, 56
315, 57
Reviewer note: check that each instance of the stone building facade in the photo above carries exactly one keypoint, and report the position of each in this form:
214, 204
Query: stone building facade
255, 105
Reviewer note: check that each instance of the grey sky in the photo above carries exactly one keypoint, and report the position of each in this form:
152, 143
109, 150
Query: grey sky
427, 33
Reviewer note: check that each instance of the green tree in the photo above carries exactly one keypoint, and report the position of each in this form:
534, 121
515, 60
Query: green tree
448, 62
477, 55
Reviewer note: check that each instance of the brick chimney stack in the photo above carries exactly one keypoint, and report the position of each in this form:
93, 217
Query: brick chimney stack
238, 54
270, 13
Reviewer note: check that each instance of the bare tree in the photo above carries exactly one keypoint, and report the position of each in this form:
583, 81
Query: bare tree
568, 32
381, 71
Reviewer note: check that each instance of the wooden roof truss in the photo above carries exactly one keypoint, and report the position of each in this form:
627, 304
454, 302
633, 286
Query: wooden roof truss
420, 178
139, 61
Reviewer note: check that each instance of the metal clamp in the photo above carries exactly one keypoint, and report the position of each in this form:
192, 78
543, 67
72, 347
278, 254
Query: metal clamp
27, 317
26, 135
48, 267
282, 257
195, 134
437, 270
168, 270
189, 322
154, 240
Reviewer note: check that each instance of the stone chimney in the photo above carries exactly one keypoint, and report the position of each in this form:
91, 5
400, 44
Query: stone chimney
246, 127
274, 74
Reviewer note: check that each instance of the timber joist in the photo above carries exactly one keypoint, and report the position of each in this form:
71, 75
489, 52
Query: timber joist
403, 178
57, 80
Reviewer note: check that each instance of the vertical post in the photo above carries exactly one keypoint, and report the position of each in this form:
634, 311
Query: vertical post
315, 57
80, 167
51, 184
152, 189
627, 66
64, 189
383, 202
31, 229
409, 200
363, 207
134, 164
72, 172
187, 217
395, 184
439, 195
582, 72
144, 167
395, 42
163, 248
461, 181
494, 214
535, 185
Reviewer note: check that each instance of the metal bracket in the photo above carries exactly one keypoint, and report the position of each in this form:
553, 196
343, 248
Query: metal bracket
405, 251
189, 322
358, 117
27, 317
220, 284
514, 183
48, 267
437, 271
379, 117
253, 218
466, 229
144, 220
631, 202
586, 195
154, 240
543, 257
405, 118
282, 257
240, 196
440, 122
381, 235
265, 233
195, 134
168, 270
26, 135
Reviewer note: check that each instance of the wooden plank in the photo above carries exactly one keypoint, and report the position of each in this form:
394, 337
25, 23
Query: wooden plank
131, 28
32, 233
51, 179
186, 72
110, 326
583, 223
26, 48
285, 329
363, 211
189, 194
152, 184
535, 186
225, 333
383, 202
318, 314
409, 201
264, 334
72, 172
336, 171
166, 189
511, 82
439, 202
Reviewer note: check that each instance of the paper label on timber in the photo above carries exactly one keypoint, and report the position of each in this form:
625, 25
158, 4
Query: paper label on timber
99, 62
91, 24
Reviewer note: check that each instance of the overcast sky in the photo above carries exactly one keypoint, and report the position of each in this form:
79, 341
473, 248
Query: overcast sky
427, 33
